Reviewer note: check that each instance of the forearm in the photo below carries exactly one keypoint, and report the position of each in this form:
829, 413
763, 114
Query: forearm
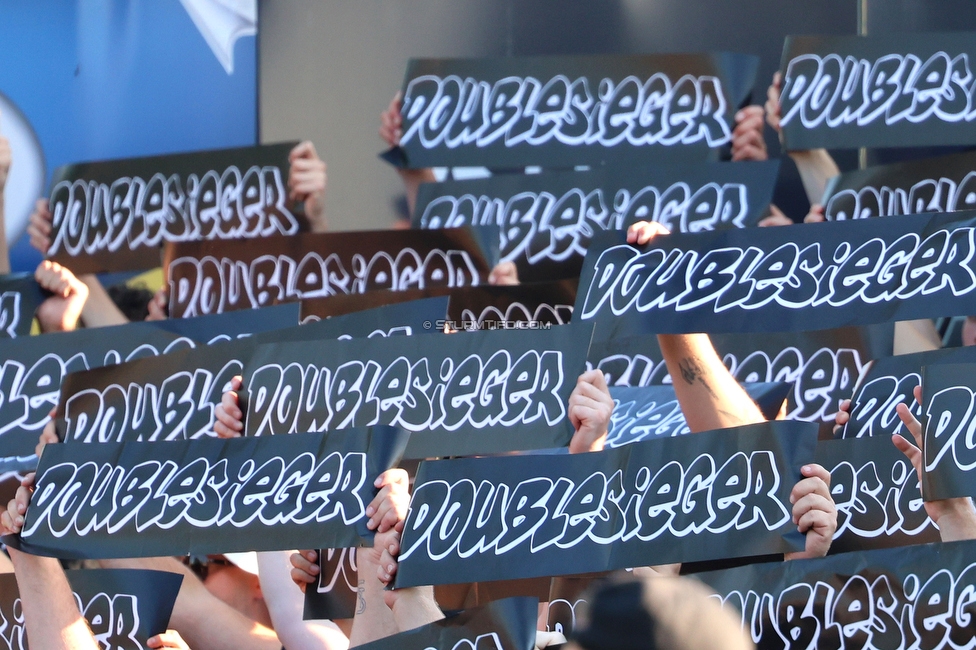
4, 248
286, 604
709, 396
412, 179
51, 614
958, 522
816, 167
414, 607
373, 619
201, 618
99, 310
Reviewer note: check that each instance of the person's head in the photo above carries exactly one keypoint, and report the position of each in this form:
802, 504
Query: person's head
629, 613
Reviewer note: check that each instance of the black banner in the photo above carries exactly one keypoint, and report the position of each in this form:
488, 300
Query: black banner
31, 368
142, 499
876, 491
110, 215
943, 184
482, 392
20, 296
911, 597
823, 365
507, 624
712, 495
124, 607
890, 381
481, 307
822, 275
949, 452
227, 327
570, 110
546, 220
896, 90
174, 396
648, 412
333, 596
213, 277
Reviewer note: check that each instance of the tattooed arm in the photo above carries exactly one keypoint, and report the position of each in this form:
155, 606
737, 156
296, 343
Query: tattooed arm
709, 396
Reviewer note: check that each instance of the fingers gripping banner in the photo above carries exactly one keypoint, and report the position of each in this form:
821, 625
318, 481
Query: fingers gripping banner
143, 499
571, 110
471, 393
706, 496
123, 607
822, 275
112, 215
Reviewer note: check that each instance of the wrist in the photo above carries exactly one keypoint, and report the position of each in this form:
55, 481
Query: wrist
957, 519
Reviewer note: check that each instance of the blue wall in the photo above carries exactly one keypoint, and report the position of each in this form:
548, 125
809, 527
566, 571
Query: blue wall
118, 78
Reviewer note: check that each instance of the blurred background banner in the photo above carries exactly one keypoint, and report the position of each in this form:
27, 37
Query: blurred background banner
99, 79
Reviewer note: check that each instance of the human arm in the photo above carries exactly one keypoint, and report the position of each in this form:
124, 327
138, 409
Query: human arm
229, 419
5, 161
286, 606
307, 182
51, 615
709, 396
590, 408
61, 311
391, 130
816, 166
814, 512
201, 618
748, 142
956, 518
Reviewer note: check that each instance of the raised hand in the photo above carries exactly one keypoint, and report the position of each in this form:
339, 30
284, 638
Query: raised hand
814, 511
61, 311
307, 182
229, 417
590, 407
748, 142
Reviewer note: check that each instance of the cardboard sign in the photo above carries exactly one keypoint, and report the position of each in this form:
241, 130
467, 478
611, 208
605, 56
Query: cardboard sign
143, 499
877, 494
509, 517
174, 396
645, 413
477, 393
227, 327
124, 608
943, 184
501, 625
895, 90
821, 275
534, 304
546, 220
114, 215
333, 596
947, 420
31, 368
571, 110
823, 365
20, 296
890, 381
215, 277
912, 597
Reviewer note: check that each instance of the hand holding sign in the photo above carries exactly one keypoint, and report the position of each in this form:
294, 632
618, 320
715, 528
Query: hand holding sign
304, 567
307, 182
814, 511
590, 407
230, 419
955, 518
747, 136
61, 311
39, 226
168, 639
12, 519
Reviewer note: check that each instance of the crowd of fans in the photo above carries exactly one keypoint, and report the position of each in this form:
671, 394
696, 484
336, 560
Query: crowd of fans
256, 601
